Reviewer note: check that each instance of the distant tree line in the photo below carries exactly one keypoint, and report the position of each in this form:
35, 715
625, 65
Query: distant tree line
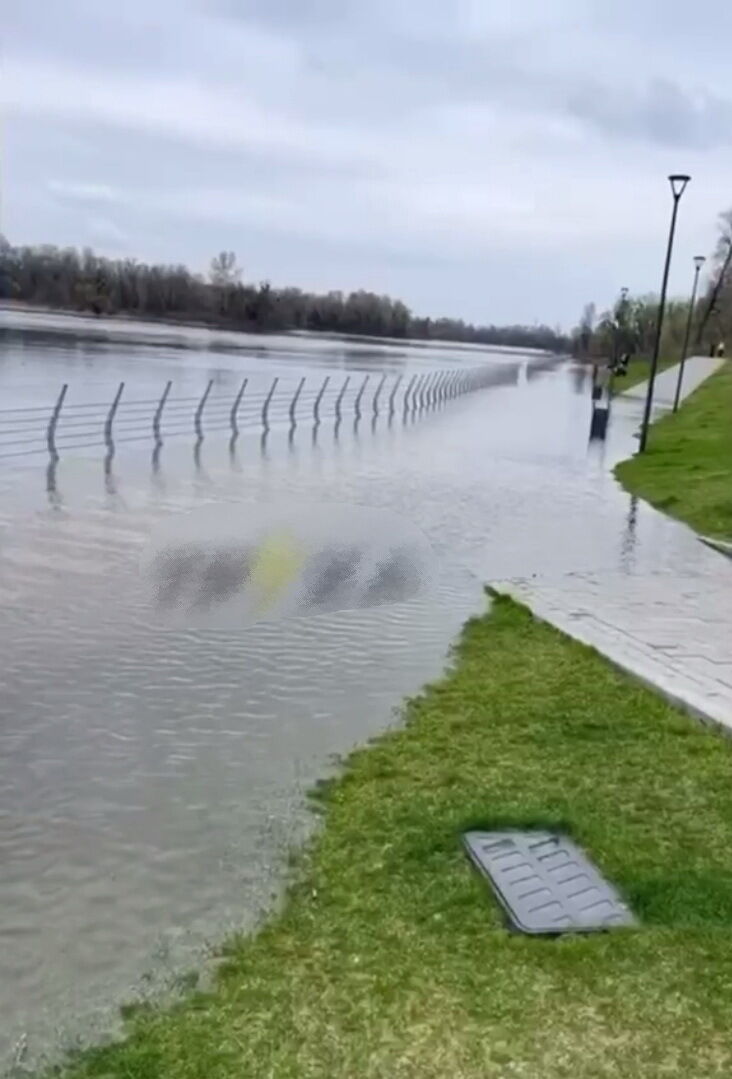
630, 324
74, 280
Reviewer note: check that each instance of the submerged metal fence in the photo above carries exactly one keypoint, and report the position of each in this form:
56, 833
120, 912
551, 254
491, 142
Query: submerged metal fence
64, 426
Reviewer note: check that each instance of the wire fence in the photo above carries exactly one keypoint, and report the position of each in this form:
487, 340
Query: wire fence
63, 426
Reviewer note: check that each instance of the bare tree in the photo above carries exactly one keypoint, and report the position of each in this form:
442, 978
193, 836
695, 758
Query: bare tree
224, 269
723, 281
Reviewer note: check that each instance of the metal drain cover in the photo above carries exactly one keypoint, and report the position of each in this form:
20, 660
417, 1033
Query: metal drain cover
546, 883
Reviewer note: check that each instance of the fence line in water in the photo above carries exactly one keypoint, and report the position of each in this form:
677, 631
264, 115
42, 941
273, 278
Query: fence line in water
41, 428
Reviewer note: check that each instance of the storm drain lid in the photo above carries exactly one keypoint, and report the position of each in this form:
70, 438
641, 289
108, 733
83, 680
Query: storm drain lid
546, 883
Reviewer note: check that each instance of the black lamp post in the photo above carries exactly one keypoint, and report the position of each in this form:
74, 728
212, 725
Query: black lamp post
678, 186
619, 322
699, 261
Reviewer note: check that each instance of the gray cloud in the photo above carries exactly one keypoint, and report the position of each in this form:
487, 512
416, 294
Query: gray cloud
662, 112
475, 158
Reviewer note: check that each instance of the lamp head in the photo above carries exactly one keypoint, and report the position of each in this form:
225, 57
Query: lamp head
699, 261
678, 183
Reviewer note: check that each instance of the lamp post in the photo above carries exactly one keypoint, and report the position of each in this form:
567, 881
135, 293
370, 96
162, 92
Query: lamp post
699, 261
678, 186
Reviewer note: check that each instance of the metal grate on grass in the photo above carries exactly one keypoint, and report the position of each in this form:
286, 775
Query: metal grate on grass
546, 883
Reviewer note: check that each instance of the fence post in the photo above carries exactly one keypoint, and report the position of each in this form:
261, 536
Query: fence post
293, 402
111, 414
392, 395
426, 389
159, 412
199, 410
319, 398
235, 407
417, 392
375, 402
411, 382
339, 398
359, 395
52, 423
265, 406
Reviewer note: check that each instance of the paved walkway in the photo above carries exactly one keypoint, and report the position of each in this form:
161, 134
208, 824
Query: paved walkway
696, 370
671, 629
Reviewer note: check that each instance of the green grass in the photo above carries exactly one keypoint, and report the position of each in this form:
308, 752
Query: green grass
687, 467
639, 369
390, 958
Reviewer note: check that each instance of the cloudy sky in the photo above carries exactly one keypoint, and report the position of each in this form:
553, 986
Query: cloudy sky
498, 161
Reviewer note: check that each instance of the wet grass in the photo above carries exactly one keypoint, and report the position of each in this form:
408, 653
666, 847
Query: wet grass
639, 369
390, 957
687, 468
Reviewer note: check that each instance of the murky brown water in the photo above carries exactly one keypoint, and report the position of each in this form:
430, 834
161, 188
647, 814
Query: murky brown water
152, 778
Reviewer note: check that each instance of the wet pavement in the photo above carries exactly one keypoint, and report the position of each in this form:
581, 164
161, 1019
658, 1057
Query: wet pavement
670, 626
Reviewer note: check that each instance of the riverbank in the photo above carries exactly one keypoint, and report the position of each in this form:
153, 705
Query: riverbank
217, 334
390, 956
687, 468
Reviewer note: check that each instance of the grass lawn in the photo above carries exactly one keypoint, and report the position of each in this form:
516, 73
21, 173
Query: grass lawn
390, 958
687, 468
639, 369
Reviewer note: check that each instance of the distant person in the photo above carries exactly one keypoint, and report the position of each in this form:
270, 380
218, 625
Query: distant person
720, 350
620, 365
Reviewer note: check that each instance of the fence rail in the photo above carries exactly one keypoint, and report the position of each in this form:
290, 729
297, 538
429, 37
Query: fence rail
69, 425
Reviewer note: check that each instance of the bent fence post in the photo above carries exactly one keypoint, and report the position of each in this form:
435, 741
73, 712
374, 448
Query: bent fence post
112, 413
265, 406
375, 402
341, 395
52, 423
410, 384
235, 407
359, 395
295, 399
392, 395
159, 412
319, 398
199, 411
417, 393
435, 390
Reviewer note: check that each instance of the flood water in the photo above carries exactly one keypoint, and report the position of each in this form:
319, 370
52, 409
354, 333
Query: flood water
153, 778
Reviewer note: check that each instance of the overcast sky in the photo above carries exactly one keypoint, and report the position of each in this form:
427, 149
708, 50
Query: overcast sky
499, 161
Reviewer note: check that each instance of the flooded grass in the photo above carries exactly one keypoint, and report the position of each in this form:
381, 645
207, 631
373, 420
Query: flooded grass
687, 468
390, 957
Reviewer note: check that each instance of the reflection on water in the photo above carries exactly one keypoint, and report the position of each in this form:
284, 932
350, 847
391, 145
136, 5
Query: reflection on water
231, 567
152, 777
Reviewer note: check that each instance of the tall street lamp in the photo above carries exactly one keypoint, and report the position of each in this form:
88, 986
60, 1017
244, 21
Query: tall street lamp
699, 261
678, 186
